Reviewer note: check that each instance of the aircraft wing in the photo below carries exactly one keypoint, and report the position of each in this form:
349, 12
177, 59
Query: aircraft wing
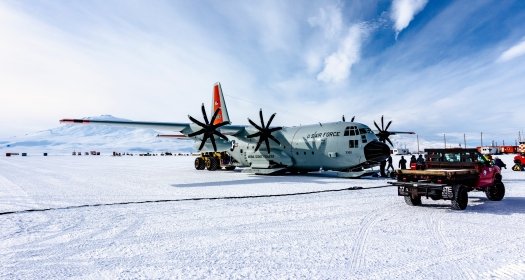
400, 132
184, 128
153, 125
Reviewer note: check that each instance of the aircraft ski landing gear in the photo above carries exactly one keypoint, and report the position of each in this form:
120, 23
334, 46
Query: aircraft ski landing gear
214, 161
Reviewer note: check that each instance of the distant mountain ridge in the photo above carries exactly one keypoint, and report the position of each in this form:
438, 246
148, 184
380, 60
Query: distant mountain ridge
73, 137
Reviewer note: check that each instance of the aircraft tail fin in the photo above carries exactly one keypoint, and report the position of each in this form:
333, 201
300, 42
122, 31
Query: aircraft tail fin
218, 102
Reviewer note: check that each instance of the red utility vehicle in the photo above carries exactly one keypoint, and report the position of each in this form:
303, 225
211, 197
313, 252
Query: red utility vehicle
450, 174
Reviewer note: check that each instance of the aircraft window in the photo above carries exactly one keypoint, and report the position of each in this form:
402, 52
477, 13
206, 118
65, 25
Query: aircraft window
363, 138
354, 131
353, 143
365, 130
241, 151
312, 152
347, 131
305, 153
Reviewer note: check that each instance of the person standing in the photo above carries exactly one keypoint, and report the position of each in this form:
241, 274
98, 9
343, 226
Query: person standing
402, 163
420, 163
389, 160
413, 162
382, 165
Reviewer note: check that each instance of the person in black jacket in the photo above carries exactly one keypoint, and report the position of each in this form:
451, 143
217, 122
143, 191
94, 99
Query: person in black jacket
420, 163
402, 163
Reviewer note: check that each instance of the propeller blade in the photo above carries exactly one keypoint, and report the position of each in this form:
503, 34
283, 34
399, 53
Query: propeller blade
203, 141
196, 133
196, 121
382, 123
220, 124
387, 139
270, 121
267, 144
274, 139
388, 125
353, 118
204, 114
258, 144
254, 124
215, 115
261, 116
212, 138
254, 135
275, 129
377, 126
218, 133
344, 118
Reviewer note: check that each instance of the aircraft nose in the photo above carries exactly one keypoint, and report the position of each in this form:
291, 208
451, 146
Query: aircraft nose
376, 151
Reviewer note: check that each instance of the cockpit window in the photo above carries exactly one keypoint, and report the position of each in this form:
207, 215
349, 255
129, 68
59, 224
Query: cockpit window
365, 130
354, 131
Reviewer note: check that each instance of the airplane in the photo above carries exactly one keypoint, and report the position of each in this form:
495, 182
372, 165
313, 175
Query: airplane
347, 147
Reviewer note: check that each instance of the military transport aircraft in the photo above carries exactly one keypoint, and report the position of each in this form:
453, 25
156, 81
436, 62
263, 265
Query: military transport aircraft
349, 147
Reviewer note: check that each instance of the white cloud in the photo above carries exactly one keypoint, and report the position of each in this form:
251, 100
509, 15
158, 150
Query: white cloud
513, 52
329, 20
48, 73
338, 65
403, 11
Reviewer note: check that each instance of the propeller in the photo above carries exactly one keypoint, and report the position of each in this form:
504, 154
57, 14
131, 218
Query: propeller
383, 132
352, 120
265, 132
209, 129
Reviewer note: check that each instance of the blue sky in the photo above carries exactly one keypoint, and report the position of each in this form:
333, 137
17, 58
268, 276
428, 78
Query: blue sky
434, 67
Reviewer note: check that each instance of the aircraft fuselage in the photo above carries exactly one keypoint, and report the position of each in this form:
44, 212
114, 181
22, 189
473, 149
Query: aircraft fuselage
340, 146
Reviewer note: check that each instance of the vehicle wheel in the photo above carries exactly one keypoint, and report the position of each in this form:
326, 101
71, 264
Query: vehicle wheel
211, 164
416, 201
229, 168
496, 192
460, 200
199, 163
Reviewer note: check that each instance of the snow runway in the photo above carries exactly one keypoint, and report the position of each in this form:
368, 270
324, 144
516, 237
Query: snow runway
368, 233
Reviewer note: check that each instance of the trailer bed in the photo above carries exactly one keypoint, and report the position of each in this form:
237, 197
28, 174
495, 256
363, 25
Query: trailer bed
438, 172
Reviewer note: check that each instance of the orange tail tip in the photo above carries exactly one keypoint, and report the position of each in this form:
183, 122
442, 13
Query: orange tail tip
219, 103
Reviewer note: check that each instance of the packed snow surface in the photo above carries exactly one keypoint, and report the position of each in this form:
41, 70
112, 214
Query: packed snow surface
133, 217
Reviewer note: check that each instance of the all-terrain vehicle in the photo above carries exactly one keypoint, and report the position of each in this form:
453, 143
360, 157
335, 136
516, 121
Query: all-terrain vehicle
449, 174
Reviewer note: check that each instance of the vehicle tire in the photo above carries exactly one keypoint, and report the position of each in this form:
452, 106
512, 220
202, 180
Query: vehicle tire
460, 200
496, 192
199, 163
416, 201
516, 167
230, 167
211, 164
